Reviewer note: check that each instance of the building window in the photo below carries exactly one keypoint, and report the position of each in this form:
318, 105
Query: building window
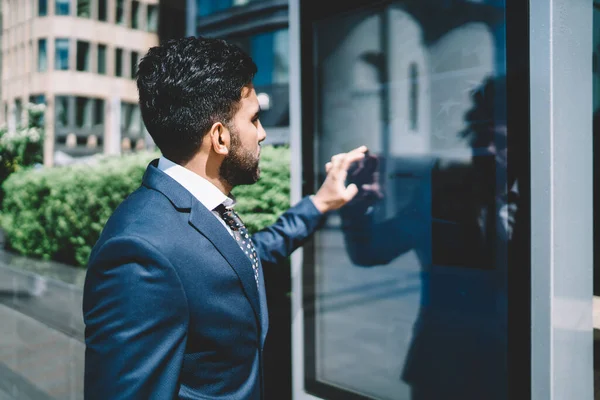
152, 18
207, 7
98, 112
83, 56
118, 62
37, 99
18, 111
134, 63
61, 111
102, 59
83, 112
42, 56
102, 10
62, 7
120, 16
131, 120
83, 8
42, 8
413, 102
135, 14
61, 54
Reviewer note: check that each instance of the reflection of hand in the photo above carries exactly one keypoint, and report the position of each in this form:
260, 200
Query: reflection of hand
333, 194
365, 175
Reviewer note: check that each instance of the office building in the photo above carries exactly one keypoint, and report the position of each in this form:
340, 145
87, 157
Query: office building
79, 57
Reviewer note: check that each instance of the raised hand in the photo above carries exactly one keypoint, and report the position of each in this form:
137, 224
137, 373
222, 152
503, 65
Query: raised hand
334, 193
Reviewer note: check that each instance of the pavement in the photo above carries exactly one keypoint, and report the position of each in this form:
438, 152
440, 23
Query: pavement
42, 331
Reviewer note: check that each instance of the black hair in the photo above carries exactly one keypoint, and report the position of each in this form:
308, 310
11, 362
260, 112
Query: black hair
185, 86
489, 108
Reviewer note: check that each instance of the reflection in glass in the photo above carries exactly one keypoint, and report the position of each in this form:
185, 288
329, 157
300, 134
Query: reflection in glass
42, 64
152, 18
207, 7
83, 56
414, 96
118, 62
270, 52
120, 12
18, 111
135, 14
83, 8
61, 54
134, 63
62, 7
62, 111
102, 59
102, 10
98, 112
410, 277
131, 120
42, 8
83, 112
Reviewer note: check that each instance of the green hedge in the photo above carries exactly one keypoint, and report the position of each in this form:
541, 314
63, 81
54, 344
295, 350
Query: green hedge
58, 213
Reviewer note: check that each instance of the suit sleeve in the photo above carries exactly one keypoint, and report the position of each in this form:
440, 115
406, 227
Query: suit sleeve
291, 230
136, 318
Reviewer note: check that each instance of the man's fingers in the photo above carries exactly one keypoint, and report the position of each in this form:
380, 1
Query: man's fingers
350, 158
343, 161
328, 167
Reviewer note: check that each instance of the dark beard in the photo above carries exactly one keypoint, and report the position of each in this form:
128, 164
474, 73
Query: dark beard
239, 167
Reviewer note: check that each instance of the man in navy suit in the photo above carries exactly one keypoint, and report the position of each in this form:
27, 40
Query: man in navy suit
174, 299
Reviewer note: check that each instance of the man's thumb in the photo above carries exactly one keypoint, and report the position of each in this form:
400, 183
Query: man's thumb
350, 192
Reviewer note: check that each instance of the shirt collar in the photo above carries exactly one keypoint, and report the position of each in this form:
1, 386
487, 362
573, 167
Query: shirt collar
208, 194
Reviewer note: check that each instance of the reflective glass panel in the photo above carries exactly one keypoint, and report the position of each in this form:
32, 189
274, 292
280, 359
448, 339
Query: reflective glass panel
409, 298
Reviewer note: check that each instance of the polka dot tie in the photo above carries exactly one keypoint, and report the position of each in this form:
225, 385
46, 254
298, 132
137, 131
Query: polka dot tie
234, 222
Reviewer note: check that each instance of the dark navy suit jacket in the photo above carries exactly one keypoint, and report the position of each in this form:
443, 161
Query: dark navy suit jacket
171, 306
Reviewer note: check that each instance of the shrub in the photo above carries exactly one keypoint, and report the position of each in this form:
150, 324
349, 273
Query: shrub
24, 146
58, 213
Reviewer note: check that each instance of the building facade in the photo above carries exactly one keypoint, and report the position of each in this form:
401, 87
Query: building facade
260, 27
79, 58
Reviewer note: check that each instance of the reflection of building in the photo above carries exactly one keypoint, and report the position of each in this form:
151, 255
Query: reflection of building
260, 28
79, 57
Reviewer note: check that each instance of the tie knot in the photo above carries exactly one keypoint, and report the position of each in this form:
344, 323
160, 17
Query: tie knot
230, 217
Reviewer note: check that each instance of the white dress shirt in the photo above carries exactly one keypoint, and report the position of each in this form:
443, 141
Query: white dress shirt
208, 194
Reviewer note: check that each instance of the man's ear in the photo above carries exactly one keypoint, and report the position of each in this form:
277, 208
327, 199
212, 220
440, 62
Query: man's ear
220, 139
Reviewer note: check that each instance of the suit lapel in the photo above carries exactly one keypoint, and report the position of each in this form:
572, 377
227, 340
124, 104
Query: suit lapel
207, 224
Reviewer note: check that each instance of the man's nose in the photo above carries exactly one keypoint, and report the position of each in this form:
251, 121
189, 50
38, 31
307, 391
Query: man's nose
262, 134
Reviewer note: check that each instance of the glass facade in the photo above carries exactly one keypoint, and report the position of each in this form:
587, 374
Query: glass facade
270, 52
79, 125
207, 7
